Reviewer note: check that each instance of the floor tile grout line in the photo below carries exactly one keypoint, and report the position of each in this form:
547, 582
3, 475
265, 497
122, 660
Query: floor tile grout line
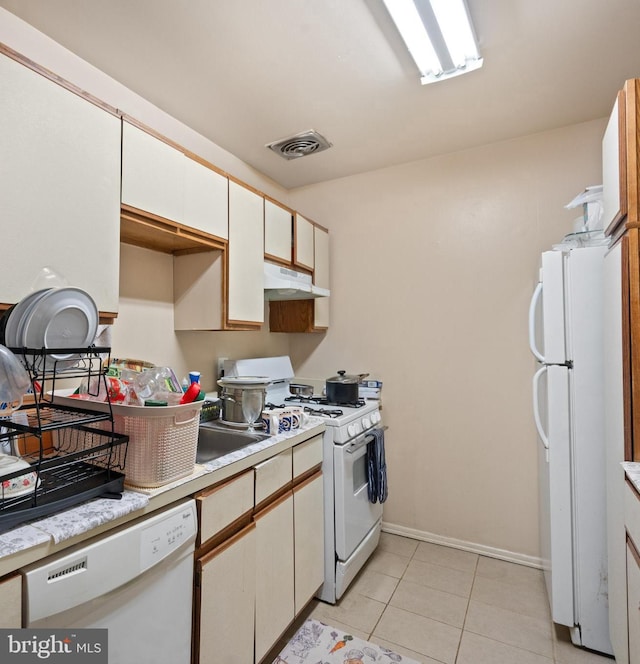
466, 613
388, 602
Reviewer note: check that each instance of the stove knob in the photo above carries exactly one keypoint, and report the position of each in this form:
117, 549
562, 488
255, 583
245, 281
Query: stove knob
351, 430
366, 423
376, 417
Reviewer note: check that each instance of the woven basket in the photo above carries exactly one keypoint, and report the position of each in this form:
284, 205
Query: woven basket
163, 440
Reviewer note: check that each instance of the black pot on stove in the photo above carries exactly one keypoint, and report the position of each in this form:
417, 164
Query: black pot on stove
343, 388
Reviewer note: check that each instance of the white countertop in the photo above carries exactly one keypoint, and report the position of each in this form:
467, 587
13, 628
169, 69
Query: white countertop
632, 471
32, 541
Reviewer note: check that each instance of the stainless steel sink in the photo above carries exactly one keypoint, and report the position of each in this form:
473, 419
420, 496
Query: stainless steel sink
216, 440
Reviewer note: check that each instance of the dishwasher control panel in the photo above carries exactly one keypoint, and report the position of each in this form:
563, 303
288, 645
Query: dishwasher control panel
166, 534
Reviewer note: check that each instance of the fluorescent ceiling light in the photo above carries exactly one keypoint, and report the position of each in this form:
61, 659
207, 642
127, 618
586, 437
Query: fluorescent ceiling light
439, 36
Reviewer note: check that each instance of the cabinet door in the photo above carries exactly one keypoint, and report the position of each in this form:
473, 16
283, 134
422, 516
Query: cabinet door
321, 277
59, 187
11, 602
152, 174
245, 257
274, 570
308, 528
206, 199
278, 232
303, 255
633, 602
226, 596
614, 190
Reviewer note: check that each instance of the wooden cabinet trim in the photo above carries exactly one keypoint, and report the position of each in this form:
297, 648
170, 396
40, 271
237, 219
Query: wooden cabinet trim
278, 203
631, 303
204, 547
276, 259
271, 504
222, 545
631, 548
210, 491
626, 349
148, 230
308, 477
632, 138
52, 76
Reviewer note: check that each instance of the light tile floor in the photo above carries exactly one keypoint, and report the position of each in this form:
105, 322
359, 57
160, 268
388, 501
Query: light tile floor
442, 605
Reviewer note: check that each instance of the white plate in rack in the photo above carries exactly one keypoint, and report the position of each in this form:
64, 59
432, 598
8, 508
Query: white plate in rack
17, 316
16, 486
62, 318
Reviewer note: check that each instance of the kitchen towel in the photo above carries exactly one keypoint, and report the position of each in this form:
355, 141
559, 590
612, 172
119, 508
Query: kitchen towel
376, 468
317, 643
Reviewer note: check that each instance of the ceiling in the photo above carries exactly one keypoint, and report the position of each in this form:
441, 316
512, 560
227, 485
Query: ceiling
245, 73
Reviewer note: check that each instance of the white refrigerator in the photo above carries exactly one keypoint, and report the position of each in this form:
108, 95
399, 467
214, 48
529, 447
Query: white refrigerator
566, 337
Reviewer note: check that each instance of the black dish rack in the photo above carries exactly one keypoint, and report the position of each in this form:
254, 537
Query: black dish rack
74, 452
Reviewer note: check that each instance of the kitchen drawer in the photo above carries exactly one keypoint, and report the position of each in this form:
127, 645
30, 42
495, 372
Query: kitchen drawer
632, 514
307, 455
272, 475
223, 504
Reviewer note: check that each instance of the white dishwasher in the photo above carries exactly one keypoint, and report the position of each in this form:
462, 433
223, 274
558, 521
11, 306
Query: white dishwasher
137, 582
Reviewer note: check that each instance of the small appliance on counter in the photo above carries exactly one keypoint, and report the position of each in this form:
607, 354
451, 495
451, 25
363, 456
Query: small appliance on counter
352, 521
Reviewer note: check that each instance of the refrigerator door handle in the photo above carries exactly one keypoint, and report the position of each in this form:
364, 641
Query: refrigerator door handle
536, 407
535, 298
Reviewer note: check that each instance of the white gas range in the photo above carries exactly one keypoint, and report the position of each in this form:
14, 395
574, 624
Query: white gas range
352, 521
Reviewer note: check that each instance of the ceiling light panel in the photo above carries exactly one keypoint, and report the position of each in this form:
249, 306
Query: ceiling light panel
439, 36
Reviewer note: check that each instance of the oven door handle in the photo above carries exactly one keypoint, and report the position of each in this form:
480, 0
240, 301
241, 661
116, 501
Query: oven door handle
362, 440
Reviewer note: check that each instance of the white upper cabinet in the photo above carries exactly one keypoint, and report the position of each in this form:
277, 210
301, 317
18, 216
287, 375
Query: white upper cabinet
59, 187
152, 174
321, 276
278, 232
161, 180
303, 255
245, 303
206, 199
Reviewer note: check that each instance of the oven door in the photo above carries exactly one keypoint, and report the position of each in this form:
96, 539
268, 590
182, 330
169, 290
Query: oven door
355, 516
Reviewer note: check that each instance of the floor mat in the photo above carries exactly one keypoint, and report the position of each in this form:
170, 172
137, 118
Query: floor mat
317, 643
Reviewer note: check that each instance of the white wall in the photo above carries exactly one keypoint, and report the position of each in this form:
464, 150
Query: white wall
432, 267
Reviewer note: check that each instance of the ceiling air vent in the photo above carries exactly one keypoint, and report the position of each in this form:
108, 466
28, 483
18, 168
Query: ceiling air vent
300, 145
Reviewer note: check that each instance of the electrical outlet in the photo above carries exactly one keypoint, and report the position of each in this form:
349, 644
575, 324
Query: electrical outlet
221, 366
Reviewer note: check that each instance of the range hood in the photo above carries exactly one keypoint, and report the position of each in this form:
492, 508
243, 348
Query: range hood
283, 283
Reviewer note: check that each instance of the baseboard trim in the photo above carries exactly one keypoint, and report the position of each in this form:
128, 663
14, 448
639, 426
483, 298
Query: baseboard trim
491, 552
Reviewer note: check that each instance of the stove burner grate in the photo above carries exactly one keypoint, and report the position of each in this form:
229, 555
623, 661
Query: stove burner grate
323, 401
324, 412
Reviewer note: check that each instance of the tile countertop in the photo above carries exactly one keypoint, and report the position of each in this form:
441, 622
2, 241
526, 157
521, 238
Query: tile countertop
35, 540
632, 471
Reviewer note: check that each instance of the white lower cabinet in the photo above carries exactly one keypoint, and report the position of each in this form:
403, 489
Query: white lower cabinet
227, 587
11, 602
274, 573
308, 534
260, 556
